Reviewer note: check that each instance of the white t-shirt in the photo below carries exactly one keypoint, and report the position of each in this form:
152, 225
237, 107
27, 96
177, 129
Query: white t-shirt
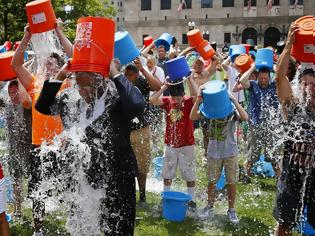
158, 72
232, 74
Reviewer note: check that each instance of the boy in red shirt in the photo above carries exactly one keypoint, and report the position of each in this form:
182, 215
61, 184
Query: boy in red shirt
4, 225
179, 135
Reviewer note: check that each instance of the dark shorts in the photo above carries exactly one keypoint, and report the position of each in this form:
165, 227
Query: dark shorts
292, 195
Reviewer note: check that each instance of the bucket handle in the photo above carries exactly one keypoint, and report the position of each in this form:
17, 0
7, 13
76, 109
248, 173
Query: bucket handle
91, 42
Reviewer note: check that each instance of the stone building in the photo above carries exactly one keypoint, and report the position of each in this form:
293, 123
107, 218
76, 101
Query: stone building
233, 21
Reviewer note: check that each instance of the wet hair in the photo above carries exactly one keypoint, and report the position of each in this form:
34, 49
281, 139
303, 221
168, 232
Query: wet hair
13, 83
162, 46
307, 71
150, 52
133, 68
60, 59
177, 90
152, 58
264, 70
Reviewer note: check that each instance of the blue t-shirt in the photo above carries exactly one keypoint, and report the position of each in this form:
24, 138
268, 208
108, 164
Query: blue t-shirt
263, 102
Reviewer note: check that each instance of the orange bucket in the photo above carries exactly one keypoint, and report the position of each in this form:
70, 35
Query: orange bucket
302, 49
243, 62
205, 50
93, 50
40, 16
6, 70
147, 41
194, 38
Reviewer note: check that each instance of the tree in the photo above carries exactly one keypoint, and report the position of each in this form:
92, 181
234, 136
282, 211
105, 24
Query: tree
13, 15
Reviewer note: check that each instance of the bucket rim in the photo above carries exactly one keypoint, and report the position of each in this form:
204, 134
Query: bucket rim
186, 197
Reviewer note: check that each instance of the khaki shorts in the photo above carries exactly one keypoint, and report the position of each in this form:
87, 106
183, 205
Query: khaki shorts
140, 142
231, 169
184, 157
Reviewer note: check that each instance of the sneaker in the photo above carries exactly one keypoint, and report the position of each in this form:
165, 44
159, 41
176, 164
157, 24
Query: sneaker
38, 234
206, 213
233, 216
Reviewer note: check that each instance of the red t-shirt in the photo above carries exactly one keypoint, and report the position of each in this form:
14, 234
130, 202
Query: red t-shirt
179, 130
1, 172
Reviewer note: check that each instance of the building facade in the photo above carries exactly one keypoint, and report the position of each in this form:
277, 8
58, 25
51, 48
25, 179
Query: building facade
234, 21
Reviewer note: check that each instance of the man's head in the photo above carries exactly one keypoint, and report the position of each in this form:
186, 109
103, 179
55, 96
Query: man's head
177, 93
53, 63
13, 90
198, 66
151, 62
161, 52
88, 85
263, 77
307, 80
131, 72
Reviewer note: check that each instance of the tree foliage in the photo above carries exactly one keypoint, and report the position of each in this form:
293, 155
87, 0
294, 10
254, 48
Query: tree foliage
13, 15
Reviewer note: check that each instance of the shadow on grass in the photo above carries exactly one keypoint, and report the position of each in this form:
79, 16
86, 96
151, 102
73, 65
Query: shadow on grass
268, 187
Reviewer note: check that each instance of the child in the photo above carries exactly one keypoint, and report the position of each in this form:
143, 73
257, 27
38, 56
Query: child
222, 151
4, 225
179, 135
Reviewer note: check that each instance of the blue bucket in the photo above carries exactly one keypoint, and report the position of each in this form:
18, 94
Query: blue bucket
221, 182
305, 227
250, 42
178, 68
2, 49
175, 205
264, 58
165, 39
125, 48
263, 168
216, 101
236, 50
158, 166
253, 53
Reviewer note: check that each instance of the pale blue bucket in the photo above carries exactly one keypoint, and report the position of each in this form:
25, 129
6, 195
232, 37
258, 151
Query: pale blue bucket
175, 205
221, 182
177, 68
216, 101
235, 51
157, 167
125, 48
264, 58
165, 39
2, 49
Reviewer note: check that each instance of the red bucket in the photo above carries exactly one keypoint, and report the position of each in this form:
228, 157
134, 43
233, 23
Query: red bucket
93, 50
303, 46
247, 46
6, 70
147, 41
205, 50
7, 45
194, 38
40, 16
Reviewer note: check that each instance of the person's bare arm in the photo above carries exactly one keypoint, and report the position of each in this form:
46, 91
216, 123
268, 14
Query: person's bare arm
193, 88
24, 76
241, 111
156, 99
195, 114
284, 88
146, 51
65, 42
244, 80
154, 83
225, 64
186, 51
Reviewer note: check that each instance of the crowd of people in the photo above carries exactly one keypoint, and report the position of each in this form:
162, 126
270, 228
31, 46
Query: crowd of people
137, 100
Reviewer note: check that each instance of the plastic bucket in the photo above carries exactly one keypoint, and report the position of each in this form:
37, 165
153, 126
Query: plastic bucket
6, 70
7, 45
305, 227
147, 41
93, 50
243, 62
205, 50
303, 48
236, 50
175, 205
216, 101
177, 68
2, 49
264, 58
40, 16
165, 39
157, 167
250, 42
16, 45
247, 47
221, 182
125, 48
194, 38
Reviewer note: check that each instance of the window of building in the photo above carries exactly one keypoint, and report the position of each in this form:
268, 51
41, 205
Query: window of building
117, 19
145, 5
227, 37
166, 4
253, 3
274, 2
188, 4
184, 39
206, 3
228, 3
206, 36
299, 2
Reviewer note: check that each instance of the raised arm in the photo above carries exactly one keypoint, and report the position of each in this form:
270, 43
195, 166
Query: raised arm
65, 42
225, 64
24, 76
195, 114
244, 80
241, 111
156, 99
284, 89
145, 52
186, 51
193, 87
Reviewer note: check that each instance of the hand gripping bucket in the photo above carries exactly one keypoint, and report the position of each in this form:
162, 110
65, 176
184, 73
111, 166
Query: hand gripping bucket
216, 101
235, 51
165, 39
175, 205
40, 16
158, 166
205, 50
147, 41
6, 70
303, 48
125, 48
177, 68
194, 38
264, 58
93, 49
243, 62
